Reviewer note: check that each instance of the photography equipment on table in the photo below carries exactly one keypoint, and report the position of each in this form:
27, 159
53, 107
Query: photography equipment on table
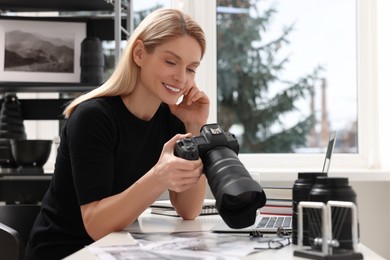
301, 190
332, 189
237, 195
328, 227
302, 187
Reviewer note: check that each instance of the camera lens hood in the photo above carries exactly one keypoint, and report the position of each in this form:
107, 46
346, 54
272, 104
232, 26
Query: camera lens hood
238, 202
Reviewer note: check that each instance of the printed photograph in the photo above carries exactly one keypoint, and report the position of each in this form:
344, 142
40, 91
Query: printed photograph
38, 52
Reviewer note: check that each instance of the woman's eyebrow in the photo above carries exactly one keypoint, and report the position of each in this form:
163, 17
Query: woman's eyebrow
179, 58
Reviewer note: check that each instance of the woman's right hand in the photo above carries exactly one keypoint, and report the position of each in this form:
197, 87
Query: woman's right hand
175, 173
170, 172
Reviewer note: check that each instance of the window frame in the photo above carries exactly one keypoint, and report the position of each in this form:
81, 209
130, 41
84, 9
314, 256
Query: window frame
368, 163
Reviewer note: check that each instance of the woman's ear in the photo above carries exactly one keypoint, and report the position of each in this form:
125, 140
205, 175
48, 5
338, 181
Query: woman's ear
138, 52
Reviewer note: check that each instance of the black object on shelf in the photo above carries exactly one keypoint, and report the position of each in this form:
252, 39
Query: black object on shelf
11, 120
30, 155
92, 61
11, 127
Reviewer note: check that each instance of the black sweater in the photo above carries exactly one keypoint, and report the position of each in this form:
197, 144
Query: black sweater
104, 149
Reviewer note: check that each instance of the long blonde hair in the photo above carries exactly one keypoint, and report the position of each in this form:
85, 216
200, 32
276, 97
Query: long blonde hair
157, 28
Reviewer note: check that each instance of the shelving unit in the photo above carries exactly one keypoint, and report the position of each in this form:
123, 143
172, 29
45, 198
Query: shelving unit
111, 26
118, 15
121, 10
44, 87
56, 5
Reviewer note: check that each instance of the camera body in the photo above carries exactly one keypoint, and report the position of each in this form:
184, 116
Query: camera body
237, 195
211, 136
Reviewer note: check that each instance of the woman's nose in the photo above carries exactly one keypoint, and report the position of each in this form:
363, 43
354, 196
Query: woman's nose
180, 75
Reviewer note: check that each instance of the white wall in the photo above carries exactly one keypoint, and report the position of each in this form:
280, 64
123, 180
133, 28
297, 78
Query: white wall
383, 54
374, 215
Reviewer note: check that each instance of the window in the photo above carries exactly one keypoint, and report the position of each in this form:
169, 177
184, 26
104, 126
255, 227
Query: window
366, 154
292, 77
371, 94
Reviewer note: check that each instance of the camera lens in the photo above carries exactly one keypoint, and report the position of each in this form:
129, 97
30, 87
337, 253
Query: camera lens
335, 189
237, 195
301, 190
236, 203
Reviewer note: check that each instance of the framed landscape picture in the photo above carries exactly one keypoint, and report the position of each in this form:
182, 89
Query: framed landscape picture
40, 51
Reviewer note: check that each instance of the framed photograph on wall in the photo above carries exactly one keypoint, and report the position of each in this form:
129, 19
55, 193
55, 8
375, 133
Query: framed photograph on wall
40, 51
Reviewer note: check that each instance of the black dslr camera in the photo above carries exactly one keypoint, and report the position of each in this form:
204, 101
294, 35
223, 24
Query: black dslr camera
236, 194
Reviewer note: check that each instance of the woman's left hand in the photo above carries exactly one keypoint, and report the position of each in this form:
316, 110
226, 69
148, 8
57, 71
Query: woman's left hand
193, 111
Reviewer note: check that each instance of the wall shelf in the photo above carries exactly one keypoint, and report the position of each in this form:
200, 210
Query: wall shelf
25, 188
56, 5
34, 87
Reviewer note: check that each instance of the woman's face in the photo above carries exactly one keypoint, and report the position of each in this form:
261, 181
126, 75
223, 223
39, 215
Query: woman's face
168, 72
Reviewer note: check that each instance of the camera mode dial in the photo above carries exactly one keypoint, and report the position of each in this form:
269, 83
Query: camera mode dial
186, 148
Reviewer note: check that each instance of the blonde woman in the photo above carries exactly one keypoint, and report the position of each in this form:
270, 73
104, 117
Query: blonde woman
116, 155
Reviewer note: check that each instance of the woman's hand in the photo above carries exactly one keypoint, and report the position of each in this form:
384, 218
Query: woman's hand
175, 173
193, 111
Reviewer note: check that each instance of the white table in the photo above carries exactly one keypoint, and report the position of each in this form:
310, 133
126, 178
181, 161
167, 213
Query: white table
150, 223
